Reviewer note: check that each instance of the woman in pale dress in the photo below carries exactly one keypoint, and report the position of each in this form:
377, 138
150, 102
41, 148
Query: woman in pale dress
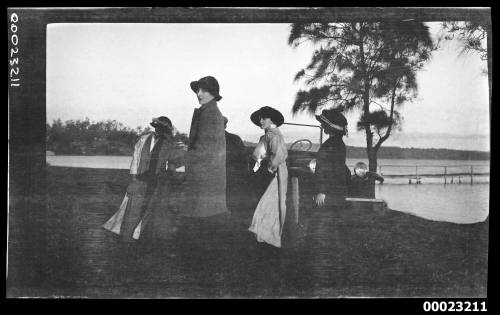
270, 155
149, 200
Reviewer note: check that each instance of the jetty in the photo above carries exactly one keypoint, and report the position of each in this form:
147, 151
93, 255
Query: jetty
450, 174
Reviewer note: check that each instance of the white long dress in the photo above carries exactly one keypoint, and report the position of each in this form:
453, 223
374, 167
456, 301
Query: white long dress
269, 216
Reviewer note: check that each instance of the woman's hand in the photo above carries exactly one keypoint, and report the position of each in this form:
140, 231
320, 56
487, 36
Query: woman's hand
272, 170
320, 199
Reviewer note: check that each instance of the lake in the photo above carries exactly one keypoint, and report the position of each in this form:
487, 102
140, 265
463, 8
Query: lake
459, 202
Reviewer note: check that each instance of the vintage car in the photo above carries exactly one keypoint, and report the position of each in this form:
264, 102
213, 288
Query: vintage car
301, 164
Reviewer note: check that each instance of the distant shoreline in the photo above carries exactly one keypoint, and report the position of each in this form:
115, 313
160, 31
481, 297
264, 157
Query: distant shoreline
391, 152
420, 154
360, 153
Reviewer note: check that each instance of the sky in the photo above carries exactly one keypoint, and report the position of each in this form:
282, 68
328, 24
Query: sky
133, 72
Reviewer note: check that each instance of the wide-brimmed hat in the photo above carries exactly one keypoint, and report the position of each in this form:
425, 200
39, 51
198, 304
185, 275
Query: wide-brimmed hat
209, 84
334, 120
161, 121
267, 112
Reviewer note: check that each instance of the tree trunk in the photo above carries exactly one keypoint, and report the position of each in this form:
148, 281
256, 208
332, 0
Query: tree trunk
372, 167
372, 160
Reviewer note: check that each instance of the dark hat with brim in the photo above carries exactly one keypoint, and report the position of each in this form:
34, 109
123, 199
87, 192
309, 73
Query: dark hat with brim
267, 112
161, 121
209, 84
333, 120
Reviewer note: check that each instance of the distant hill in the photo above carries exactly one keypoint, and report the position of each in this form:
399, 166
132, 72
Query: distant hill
417, 153
409, 153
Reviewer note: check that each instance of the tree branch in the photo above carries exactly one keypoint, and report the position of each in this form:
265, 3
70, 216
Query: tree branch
391, 116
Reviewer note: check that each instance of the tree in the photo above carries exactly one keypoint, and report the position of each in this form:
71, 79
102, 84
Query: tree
181, 137
108, 137
471, 34
370, 67
475, 38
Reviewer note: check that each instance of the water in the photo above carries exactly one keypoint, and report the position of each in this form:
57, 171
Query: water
388, 166
455, 170
99, 161
458, 203
463, 203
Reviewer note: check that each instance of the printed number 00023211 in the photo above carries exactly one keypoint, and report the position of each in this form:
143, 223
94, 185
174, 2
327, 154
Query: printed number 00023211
14, 50
454, 306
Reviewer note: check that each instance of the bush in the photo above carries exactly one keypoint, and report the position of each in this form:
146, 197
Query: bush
84, 137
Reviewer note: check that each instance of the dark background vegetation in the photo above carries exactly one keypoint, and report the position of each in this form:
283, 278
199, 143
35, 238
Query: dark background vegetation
84, 137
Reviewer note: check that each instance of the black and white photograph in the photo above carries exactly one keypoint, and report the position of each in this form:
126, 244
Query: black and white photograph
236, 152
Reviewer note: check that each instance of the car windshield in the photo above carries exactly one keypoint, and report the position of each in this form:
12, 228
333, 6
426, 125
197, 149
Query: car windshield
301, 137
298, 137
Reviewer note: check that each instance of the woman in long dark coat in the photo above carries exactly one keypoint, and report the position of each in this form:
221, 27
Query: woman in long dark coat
330, 175
206, 155
324, 237
203, 219
146, 206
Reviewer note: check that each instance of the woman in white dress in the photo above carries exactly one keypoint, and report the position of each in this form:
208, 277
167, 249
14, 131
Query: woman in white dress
270, 155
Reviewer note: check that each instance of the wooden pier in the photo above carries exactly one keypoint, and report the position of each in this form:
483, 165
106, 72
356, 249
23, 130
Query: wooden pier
457, 177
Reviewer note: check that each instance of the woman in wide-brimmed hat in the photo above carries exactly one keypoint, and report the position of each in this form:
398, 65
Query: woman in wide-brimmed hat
146, 205
330, 190
203, 218
208, 84
270, 155
206, 155
330, 175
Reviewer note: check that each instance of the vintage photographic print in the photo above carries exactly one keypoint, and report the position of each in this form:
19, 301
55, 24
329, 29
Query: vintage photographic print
249, 153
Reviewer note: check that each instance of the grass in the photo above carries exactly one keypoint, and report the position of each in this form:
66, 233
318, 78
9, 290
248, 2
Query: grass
61, 250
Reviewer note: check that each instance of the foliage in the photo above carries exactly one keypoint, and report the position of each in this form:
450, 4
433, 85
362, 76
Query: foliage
100, 138
366, 67
379, 120
181, 137
471, 34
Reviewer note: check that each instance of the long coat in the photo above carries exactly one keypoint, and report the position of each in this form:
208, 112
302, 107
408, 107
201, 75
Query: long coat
168, 152
237, 179
206, 164
235, 152
330, 175
269, 216
135, 208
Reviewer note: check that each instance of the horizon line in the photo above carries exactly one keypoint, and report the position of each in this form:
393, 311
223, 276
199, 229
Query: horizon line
392, 146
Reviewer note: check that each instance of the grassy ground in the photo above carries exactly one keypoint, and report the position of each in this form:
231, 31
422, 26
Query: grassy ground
61, 250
